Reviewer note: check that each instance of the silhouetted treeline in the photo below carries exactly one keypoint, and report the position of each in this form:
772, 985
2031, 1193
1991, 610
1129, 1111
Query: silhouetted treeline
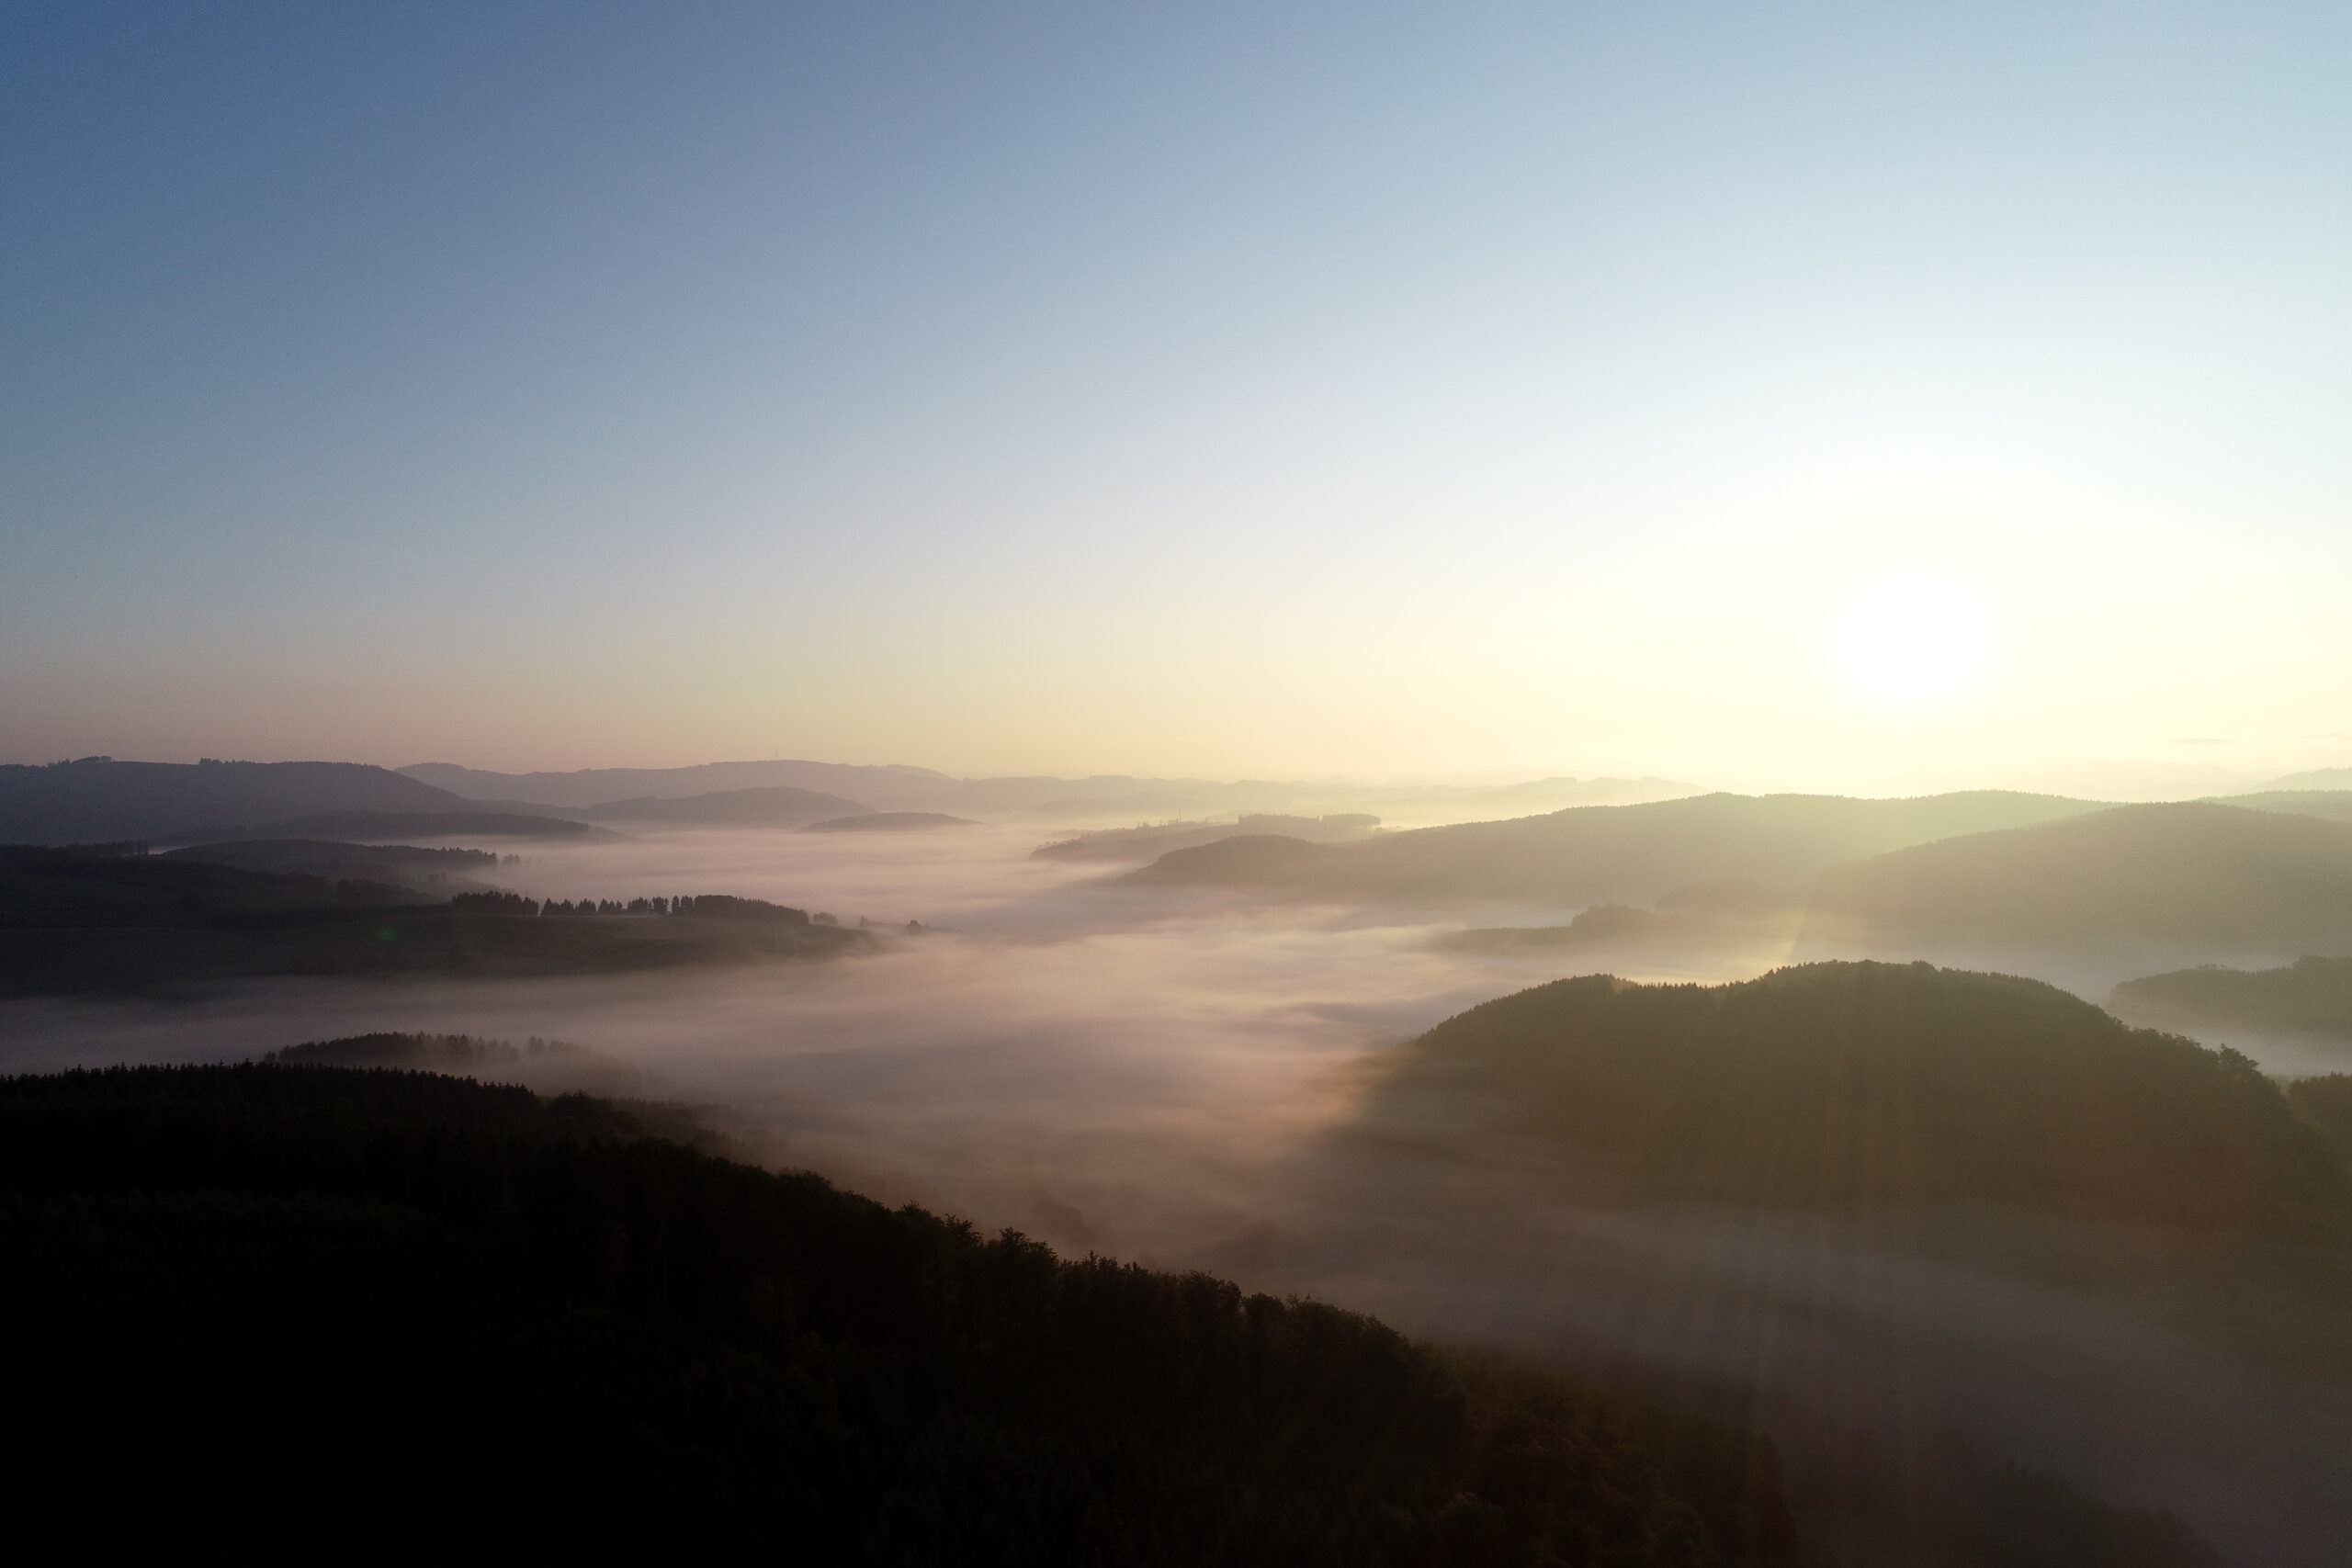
1880, 1084
705, 906
71, 921
380, 1316
444, 1053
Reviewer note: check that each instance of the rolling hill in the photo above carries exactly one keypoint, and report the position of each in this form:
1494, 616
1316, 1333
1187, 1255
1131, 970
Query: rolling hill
2311, 996
324, 1315
400, 864
591, 786
1134, 846
1605, 853
770, 806
98, 799
889, 822
1873, 1086
2181, 871
346, 826
100, 922
2335, 805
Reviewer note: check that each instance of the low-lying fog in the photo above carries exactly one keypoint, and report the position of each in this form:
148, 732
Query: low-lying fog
1102, 1066
1160, 1077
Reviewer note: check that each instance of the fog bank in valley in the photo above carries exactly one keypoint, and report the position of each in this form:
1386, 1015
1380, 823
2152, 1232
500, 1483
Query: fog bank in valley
1178, 1076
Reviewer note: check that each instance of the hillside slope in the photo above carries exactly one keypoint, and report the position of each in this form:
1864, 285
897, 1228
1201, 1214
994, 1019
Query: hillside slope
74, 920
98, 799
2176, 872
2311, 996
1605, 853
771, 806
1875, 1085
321, 1314
2335, 805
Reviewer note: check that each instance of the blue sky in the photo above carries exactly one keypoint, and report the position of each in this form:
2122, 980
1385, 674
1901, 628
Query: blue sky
1214, 388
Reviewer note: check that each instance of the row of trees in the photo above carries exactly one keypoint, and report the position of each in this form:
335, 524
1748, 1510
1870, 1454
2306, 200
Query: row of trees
705, 906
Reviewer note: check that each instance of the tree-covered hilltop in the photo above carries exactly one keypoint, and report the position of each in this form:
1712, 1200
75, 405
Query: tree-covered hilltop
110, 919
1137, 845
1873, 1085
2311, 996
295, 1311
889, 822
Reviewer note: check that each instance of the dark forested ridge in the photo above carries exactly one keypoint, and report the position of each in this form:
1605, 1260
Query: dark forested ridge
1601, 853
1877, 1085
399, 863
289, 1311
99, 798
345, 826
103, 920
2311, 996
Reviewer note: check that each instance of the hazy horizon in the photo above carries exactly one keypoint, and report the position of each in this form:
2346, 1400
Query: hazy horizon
2086, 777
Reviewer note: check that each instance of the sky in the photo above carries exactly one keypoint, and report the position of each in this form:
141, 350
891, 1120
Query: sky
1770, 395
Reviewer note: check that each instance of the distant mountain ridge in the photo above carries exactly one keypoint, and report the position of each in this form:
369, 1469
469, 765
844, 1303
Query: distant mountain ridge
898, 787
605, 786
1609, 854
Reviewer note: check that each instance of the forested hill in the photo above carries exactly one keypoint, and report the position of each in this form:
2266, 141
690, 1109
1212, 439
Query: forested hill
1609, 854
319, 1315
1876, 1085
777, 804
2312, 995
106, 918
2195, 870
97, 798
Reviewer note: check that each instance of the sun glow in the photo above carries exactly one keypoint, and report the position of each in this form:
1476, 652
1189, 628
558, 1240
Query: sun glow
1908, 637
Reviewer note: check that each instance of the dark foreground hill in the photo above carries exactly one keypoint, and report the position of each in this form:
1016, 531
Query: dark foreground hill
1607, 854
79, 921
304, 1313
2189, 871
98, 799
1871, 1085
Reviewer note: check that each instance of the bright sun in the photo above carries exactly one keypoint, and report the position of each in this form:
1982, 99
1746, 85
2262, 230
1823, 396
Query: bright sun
1911, 637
